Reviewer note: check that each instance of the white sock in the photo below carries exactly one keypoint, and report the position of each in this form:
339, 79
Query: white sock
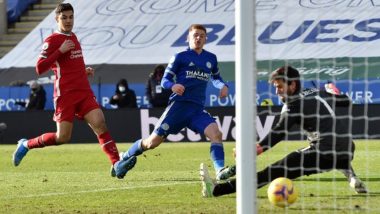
25, 144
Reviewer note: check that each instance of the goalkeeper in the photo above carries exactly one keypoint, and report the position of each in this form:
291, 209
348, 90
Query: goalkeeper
331, 146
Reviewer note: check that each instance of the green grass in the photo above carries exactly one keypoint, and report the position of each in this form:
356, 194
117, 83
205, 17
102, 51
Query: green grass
75, 179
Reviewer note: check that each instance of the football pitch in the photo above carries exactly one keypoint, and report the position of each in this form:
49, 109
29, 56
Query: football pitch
74, 178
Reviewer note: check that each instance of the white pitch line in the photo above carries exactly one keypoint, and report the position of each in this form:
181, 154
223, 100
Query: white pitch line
97, 190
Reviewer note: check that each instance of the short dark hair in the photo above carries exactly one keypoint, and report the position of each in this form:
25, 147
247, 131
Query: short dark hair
287, 74
63, 7
197, 26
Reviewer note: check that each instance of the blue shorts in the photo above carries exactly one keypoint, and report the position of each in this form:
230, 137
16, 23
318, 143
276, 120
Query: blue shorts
180, 114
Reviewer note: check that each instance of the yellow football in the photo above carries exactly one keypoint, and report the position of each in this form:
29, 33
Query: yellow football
282, 192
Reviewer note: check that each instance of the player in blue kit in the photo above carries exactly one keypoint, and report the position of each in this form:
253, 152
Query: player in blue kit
192, 69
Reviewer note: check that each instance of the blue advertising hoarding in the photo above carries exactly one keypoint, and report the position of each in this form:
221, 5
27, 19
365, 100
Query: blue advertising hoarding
360, 92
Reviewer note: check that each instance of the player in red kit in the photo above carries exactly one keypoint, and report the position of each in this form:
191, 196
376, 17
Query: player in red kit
73, 97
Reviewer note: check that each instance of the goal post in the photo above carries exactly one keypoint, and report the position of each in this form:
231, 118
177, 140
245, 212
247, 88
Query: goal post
245, 106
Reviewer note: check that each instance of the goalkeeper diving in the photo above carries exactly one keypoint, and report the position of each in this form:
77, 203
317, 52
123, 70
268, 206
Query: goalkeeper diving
314, 112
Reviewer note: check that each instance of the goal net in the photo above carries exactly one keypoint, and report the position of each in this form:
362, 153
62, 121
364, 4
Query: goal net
334, 46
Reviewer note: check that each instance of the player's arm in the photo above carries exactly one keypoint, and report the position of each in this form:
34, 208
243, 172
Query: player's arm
167, 81
341, 100
51, 53
277, 133
218, 81
333, 93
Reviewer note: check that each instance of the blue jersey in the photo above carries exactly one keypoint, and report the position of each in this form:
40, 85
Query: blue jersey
193, 71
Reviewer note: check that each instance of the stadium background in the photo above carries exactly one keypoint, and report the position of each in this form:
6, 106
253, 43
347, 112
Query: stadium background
126, 39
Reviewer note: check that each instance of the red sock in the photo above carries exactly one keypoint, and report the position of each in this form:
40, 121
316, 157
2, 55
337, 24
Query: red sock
47, 139
109, 147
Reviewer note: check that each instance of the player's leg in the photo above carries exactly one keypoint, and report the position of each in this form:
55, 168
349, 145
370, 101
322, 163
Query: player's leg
154, 139
210, 188
24, 145
306, 161
292, 166
95, 119
143, 145
302, 162
226, 172
208, 184
139, 147
230, 171
225, 188
217, 151
62, 136
204, 122
170, 122
63, 115
344, 165
89, 110
355, 182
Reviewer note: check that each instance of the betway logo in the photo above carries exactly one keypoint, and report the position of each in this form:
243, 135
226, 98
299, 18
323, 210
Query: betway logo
226, 125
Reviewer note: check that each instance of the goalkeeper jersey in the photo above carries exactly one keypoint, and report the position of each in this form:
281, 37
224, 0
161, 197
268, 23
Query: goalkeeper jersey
314, 112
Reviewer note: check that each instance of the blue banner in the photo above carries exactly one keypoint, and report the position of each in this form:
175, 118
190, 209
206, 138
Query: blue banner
360, 92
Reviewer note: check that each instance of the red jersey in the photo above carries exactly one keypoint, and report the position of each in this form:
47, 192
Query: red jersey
69, 67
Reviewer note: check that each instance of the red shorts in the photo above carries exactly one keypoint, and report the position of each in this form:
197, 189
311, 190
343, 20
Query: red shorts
73, 105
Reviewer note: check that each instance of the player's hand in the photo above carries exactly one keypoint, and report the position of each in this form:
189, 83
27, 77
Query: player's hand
178, 89
223, 92
115, 97
332, 89
259, 149
66, 46
90, 71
